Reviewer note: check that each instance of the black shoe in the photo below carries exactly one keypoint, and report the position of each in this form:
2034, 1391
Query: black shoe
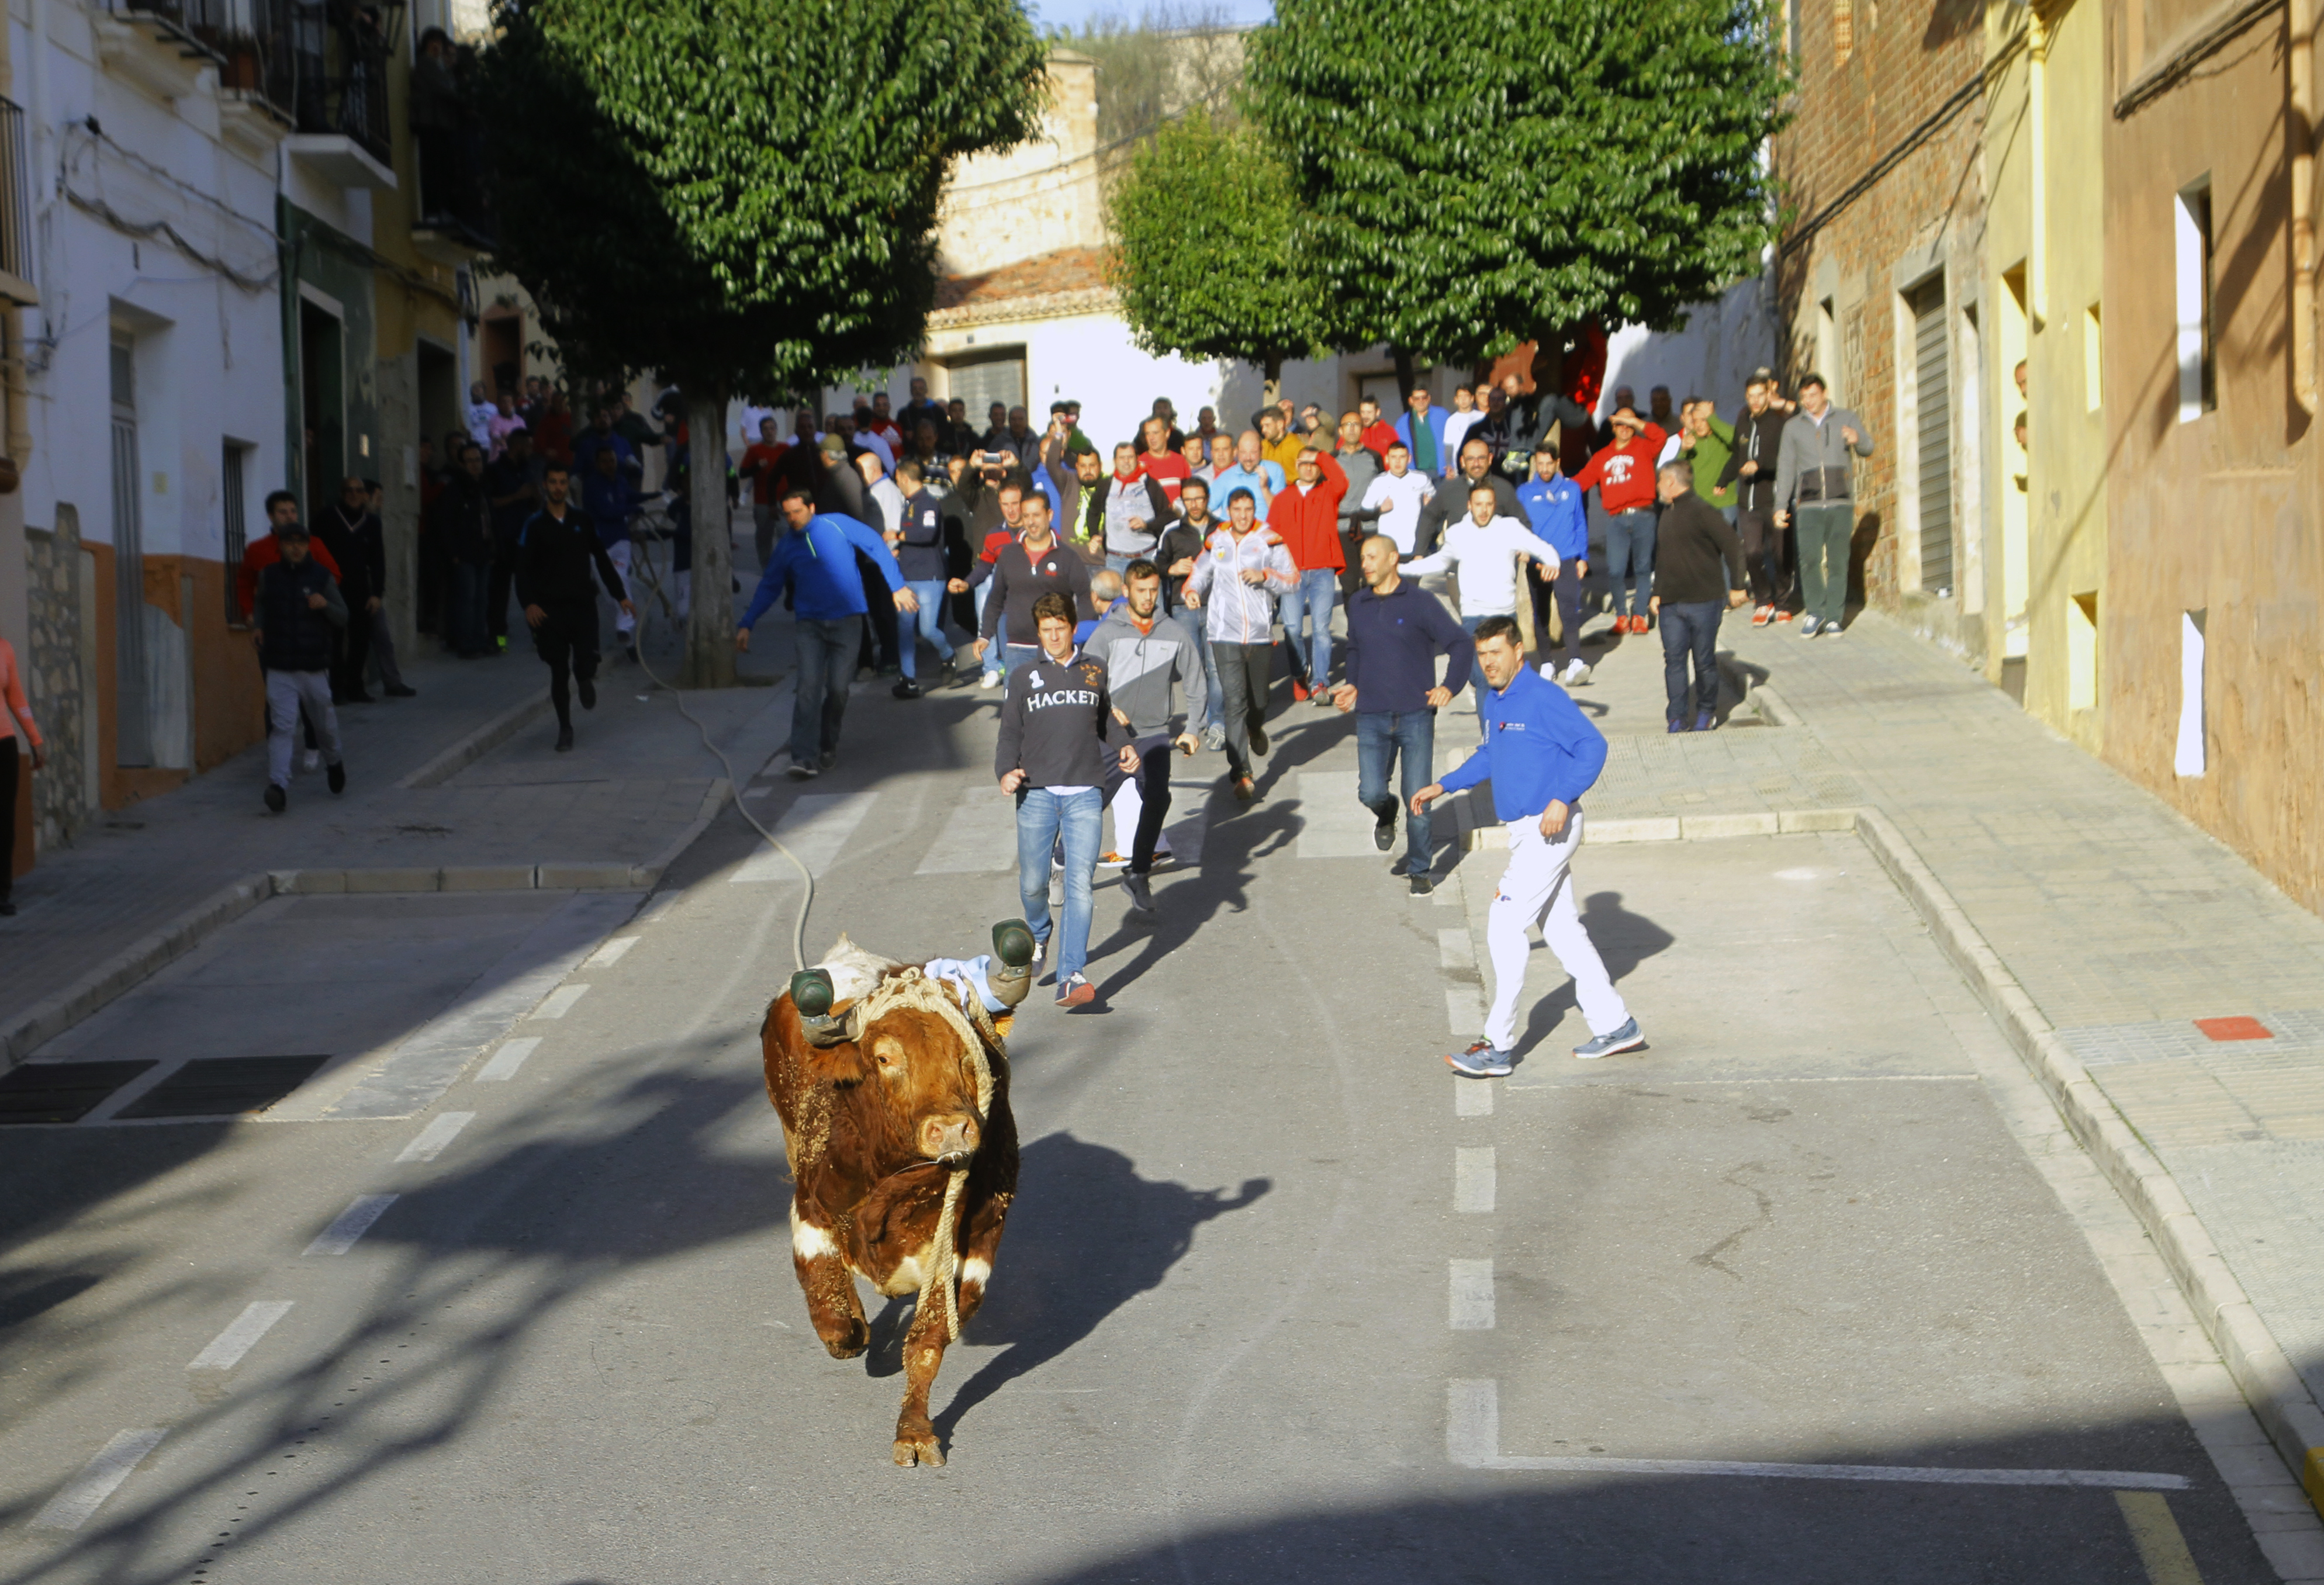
1422, 885
7, 908
629, 653
1257, 737
586, 686
1141, 895
398, 691
351, 699
336, 776
829, 758
1384, 834
276, 798
801, 772
905, 689
564, 739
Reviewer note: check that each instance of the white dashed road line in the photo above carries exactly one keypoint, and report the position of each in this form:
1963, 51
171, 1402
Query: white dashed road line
1472, 1295
1454, 953
560, 1002
431, 1141
508, 1059
1471, 1098
102, 1476
612, 952
1474, 1179
1465, 1009
241, 1333
815, 827
352, 1224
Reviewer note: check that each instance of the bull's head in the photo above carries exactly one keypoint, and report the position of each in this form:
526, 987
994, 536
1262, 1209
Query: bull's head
925, 1073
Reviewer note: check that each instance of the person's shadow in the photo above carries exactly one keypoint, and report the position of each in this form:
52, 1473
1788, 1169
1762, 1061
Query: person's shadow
1085, 1236
1623, 940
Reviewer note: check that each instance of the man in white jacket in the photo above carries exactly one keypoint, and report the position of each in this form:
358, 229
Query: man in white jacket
1244, 571
1484, 549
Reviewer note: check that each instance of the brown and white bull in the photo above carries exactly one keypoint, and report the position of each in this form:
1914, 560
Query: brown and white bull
892, 1085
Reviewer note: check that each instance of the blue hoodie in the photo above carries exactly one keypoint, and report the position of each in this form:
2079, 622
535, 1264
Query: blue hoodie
1554, 507
820, 561
1538, 746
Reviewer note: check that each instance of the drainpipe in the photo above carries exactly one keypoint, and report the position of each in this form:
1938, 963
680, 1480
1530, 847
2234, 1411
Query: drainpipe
2037, 118
2302, 27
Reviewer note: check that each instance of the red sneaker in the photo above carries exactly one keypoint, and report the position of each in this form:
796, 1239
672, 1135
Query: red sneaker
1299, 690
1763, 616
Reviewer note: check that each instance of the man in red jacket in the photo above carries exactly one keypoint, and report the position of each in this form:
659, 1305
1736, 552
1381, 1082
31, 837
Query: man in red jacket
1623, 475
1307, 518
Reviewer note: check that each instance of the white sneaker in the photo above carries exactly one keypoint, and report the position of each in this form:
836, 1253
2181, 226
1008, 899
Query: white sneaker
314, 759
992, 679
1576, 673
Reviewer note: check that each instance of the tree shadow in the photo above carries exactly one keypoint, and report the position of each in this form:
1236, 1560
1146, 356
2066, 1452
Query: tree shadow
1086, 1236
1623, 939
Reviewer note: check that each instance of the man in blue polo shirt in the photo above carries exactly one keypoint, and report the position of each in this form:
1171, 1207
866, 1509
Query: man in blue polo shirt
1542, 754
816, 564
1552, 506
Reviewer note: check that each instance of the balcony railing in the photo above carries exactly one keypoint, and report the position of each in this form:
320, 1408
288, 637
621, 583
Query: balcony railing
322, 63
16, 195
199, 22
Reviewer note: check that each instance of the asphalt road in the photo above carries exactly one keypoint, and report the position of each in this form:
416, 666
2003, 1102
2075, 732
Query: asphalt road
1275, 1302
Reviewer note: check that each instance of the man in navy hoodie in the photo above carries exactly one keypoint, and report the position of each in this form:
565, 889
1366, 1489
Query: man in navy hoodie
1542, 754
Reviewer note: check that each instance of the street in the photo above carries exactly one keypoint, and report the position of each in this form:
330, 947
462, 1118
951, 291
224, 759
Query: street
1279, 1299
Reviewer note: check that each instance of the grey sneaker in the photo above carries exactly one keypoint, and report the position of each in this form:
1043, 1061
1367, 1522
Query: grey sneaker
1141, 895
1384, 827
1214, 738
1808, 626
1480, 1061
1626, 1038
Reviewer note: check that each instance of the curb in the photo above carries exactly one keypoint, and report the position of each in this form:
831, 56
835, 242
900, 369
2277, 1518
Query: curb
473, 747
2261, 1369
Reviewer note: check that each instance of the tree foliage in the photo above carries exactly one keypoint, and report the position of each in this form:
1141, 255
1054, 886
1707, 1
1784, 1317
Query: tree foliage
739, 192
1476, 171
1206, 258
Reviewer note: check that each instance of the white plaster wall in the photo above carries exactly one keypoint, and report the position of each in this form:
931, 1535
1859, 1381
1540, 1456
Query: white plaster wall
1711, 355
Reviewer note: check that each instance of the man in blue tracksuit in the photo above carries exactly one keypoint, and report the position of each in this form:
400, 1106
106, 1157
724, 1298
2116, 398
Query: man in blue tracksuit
1542, 754
1554, 510
815, 563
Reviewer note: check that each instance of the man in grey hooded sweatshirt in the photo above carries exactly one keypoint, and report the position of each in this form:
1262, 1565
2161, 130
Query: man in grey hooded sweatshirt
1815, 464
1143, 651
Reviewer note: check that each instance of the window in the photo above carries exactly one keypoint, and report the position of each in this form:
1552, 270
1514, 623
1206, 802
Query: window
1843, 30
2093, 370
981, 378
234, 473
1933, 404
2192, 757
2198, 385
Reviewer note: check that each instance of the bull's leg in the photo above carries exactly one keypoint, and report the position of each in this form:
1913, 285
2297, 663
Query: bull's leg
830, 1289
924, 1352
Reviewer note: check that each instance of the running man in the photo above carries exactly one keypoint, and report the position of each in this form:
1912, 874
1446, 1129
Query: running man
1142, 650
553, 557
1542, 754
1243, 569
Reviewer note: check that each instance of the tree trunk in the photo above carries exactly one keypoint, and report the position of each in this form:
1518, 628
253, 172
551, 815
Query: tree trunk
1406, 377
1273, 390
710, 631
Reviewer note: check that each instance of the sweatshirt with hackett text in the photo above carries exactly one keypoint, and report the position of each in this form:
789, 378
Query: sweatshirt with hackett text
1057, 723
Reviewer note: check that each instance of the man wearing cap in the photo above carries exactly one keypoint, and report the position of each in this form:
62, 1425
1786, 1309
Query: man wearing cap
1623, 475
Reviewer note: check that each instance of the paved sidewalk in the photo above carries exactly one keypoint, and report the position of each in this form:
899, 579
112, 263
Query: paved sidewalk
636, 778
2124, 922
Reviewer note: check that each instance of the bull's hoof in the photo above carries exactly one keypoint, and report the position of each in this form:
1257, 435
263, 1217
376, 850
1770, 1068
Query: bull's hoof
916, 1443
850, 1342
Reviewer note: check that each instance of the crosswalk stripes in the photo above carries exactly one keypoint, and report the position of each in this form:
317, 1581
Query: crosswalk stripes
1332, 823
814, 827
979, 836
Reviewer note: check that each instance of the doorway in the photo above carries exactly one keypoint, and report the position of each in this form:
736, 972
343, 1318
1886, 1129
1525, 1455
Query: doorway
132, 712
323, 409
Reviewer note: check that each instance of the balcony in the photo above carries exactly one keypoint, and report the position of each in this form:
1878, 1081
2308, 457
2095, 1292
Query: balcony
15, 210
163, 46
321, 66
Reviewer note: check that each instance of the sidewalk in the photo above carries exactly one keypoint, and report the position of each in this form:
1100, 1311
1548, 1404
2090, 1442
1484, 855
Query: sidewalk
2122, 923
636, 779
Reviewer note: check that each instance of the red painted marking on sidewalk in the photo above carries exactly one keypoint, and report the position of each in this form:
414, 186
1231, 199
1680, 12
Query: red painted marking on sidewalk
2234, 1028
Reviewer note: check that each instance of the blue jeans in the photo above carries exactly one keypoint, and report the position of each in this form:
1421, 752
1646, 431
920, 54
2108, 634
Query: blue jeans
995, 651
1312, 597
1214, 706
827, 665
1042, 818
930, 622
1385, 735
1691, 630
1631, 548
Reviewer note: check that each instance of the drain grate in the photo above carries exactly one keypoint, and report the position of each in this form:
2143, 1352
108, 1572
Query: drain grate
61, 1091
225, 1086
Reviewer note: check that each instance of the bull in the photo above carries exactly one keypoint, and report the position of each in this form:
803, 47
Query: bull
892, 1084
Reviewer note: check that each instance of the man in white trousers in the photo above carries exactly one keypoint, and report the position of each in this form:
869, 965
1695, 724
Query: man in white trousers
1542, 754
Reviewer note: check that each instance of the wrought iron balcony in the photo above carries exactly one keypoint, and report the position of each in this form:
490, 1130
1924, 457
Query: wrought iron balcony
15, 208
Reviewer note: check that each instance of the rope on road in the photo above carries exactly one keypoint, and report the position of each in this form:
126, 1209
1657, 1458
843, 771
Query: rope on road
643, 563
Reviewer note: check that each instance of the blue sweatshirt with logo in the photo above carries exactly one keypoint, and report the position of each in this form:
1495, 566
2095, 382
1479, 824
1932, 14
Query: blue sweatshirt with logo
1554, 507
1538, 746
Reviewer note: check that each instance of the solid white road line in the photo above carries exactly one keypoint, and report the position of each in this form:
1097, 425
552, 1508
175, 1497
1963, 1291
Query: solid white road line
1470, 1099
612, 952
508, 1059
1473, 1439
430, 1140
226, 1348
1455, 952
560, 1002
1474, 1176
352, 1224
1465, 1009
72, 1509
815, 827
1472, 1295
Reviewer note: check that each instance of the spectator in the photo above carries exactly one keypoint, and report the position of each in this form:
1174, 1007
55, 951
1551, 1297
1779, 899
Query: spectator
482, 411
352, 532
1276, 443
1623, 475
1057, 734
762, 469
1194, 452
1450, 504
815, 564
1696, 541
1554, 511
602, 433
1135, 509
1658, 408
1031, 566
1379, 434
1180, 543
1361, 466
513, 488
556, 551
1142, 650
1396, 631
920, 409
1244, 571
1398, 497
609, 501
463, 524
1486, 547
918, 545
299, 606
1160, 462
1422, 428
503, 422
281, 513
1307, 518
1167, 411
1466, 415
1706, 443
1815, 477
1749, 474
1002, 497
877, 420
1249, 469
1206, 426
15, 709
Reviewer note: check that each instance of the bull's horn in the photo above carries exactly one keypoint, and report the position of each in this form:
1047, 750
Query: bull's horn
1013, 952
812, 994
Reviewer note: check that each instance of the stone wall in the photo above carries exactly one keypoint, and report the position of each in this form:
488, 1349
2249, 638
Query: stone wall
55, 676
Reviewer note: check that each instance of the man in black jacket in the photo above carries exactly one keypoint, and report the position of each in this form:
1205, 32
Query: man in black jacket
297, 613
1758, 446
350, 531
560, 604
1692, 544
461, 524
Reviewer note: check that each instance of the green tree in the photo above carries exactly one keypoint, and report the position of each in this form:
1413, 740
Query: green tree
741, 194
1476, 171
1206, 257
